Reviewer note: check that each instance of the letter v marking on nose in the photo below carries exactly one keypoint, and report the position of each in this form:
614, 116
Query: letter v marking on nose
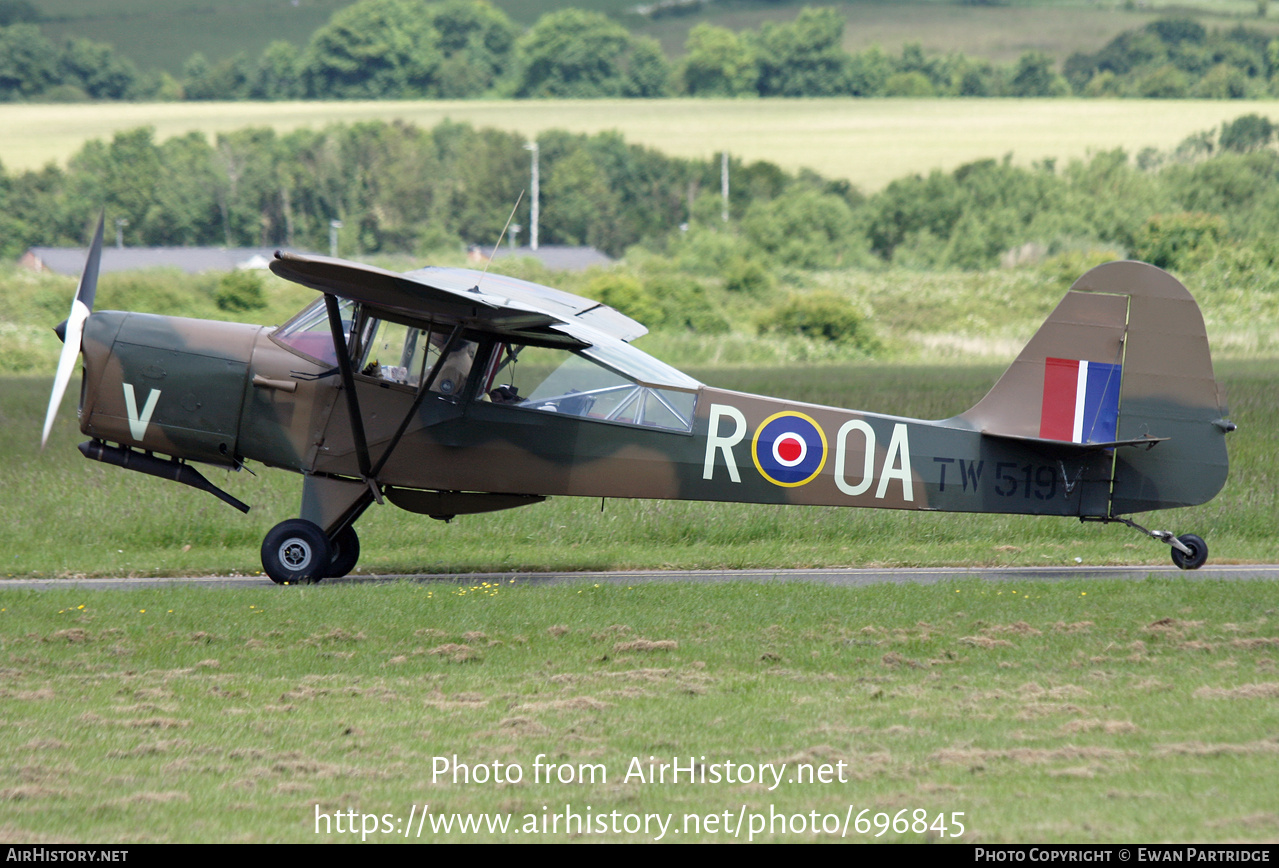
138, 422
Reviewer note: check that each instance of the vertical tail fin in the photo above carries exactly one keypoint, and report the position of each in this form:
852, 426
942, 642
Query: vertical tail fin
1123, 357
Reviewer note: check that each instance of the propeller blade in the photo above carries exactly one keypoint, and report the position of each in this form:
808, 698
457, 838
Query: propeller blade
73, 329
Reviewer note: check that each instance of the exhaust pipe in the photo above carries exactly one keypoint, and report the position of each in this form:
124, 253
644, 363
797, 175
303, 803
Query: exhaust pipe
144, 462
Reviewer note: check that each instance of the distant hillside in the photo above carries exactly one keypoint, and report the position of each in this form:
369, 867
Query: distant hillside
156, 34
164, 34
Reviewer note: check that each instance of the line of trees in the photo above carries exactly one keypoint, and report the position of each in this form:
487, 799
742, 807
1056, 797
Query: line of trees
1179, 58
1217, 188
398, 188
33, 68
410, 49
1208, 209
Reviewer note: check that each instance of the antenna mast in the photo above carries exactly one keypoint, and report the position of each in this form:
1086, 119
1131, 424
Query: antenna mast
502, 235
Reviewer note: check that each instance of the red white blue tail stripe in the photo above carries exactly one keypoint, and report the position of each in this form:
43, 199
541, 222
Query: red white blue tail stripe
1081, 401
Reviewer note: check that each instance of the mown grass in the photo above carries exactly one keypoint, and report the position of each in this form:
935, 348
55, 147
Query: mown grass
868, 141
1062, 712
1067, 711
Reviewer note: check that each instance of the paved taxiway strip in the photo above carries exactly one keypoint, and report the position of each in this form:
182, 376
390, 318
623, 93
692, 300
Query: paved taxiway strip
835, 576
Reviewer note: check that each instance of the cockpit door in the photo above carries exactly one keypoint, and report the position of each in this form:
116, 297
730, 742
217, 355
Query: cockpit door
408, 376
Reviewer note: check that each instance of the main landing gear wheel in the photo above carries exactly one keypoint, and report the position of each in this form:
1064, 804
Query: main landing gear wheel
345, 553
1198, 552
297, 552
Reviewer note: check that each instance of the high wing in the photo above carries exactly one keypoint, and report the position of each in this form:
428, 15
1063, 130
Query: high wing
492, 302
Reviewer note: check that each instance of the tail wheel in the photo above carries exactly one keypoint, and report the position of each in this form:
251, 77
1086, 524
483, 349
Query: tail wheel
296, 552
1198, 552
345, 552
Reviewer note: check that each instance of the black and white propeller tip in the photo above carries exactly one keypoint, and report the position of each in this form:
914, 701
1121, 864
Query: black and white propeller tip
71, 331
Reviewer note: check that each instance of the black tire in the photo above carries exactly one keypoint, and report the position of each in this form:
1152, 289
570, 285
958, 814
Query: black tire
296, 552
1198, 552
345, 549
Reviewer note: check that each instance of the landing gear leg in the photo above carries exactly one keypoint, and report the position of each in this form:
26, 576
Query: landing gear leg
1189, 552
332, 505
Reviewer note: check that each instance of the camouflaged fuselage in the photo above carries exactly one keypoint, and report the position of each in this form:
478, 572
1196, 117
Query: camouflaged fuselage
223, 393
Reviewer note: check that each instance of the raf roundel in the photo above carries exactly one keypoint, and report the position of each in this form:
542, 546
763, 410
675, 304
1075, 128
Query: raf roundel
789, 449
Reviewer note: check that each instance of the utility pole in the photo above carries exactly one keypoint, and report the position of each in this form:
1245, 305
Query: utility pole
532, 229
723, 183
334, 226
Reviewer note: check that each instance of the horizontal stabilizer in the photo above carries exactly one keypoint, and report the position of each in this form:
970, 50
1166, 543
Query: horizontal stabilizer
1071, 446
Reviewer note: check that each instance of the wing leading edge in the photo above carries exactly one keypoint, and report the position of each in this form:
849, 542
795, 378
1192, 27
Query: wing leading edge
490, 301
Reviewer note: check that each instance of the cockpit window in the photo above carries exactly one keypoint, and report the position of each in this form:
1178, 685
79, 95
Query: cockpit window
404, 354
308, 332
389, 351
561, 381
621, 356
392, 352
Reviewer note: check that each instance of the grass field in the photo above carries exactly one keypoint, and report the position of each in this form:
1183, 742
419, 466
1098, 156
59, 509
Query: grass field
1073, 711
998, 32
870, 142
1066, 712
165, 35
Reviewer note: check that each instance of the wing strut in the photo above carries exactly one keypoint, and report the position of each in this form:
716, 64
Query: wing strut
343, 351
368, 470
427, 382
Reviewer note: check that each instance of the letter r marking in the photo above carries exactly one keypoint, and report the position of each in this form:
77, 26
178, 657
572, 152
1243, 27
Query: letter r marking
714, 442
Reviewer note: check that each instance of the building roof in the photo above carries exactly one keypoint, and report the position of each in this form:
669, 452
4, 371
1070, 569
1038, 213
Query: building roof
192, 260
196, 260
556, 257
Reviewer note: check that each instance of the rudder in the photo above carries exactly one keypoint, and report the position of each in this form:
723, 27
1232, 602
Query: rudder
1123, 357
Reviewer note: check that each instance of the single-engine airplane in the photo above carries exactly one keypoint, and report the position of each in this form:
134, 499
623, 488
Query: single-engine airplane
448, 391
